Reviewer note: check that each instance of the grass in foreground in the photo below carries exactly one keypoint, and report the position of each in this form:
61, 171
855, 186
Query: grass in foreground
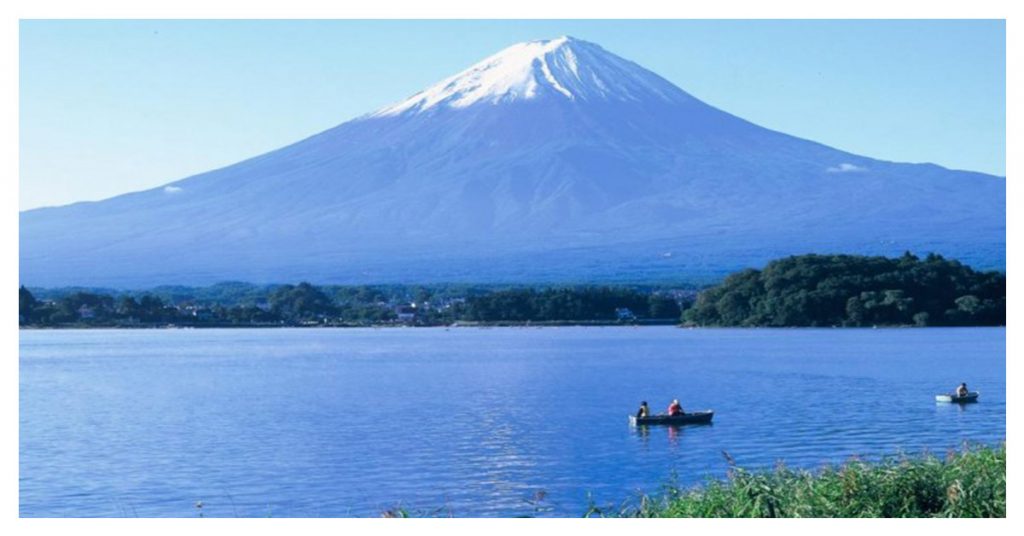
969, 483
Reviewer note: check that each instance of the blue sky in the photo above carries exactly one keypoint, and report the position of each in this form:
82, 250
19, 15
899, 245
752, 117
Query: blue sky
108, 107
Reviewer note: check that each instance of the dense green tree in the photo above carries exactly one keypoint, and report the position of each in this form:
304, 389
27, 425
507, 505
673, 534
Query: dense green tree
421, 294
921, 319
246, 314
302, 302
81, 307
128, 308
834, 290
152, 309
26, 305
566, 304
662, 307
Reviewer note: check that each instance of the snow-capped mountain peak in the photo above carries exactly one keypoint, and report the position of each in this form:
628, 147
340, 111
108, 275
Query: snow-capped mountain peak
549, 162
565, 67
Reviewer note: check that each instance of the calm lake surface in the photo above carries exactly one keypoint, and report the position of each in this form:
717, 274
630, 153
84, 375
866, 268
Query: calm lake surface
351, 422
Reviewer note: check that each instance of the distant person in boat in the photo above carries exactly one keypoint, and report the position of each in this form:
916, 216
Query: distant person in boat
962, 390
643, 411
675, 409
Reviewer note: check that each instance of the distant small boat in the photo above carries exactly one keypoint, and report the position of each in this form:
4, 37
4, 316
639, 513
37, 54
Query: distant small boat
952, 398
697, 417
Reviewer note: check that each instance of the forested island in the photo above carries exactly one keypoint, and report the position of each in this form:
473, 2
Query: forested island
807, 290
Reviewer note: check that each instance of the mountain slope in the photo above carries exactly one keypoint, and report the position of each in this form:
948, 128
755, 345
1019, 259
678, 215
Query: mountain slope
551, 160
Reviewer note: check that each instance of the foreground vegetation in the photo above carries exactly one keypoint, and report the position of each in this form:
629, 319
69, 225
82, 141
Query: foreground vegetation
970, 483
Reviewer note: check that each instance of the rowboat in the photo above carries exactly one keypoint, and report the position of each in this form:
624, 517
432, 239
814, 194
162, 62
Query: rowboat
696, 417
952, 398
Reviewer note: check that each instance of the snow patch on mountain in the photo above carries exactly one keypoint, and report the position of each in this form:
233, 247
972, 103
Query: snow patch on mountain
571, 68
846, 167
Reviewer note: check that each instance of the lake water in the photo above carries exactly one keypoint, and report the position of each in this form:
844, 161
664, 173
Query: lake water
475, 422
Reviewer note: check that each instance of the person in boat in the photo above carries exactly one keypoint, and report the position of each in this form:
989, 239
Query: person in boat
962, 390
675, 409
644, 411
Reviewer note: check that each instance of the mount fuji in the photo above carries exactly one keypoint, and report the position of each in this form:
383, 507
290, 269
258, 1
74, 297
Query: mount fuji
550, 161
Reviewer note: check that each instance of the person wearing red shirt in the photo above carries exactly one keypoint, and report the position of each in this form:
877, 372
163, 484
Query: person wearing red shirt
675, 409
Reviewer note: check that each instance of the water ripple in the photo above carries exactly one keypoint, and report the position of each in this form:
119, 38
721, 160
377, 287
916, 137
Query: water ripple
496, 422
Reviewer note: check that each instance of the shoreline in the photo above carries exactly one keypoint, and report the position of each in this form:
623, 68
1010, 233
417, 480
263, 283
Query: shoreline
478, 325
461, 324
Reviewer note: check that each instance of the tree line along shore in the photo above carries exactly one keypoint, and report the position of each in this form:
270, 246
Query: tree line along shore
797, 291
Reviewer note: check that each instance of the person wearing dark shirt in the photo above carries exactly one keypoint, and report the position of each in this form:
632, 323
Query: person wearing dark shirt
643, 411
